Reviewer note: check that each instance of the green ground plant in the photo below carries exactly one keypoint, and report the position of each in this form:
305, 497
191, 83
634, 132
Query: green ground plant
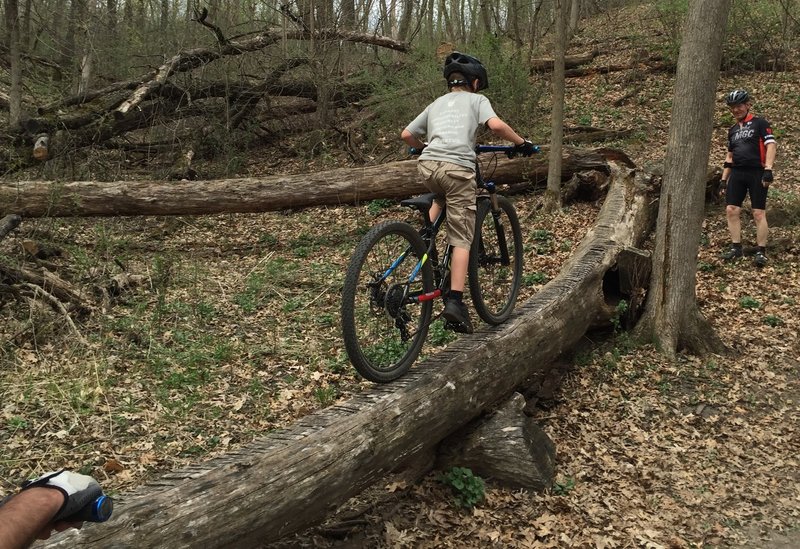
468, 489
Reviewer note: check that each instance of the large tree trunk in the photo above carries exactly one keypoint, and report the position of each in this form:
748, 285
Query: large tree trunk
289, 480
672, 318
334, 187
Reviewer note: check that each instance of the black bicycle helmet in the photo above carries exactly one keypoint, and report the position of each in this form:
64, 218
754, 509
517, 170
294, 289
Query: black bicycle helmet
737, 97
468, 66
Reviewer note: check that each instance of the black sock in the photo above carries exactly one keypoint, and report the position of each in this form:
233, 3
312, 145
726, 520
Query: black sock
762, 249
458, 297
737, 245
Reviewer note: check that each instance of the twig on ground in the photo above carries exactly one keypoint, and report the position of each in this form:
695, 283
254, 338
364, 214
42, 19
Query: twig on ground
54, 302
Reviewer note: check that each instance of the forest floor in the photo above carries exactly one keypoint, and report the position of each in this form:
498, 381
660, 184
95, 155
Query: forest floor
232, 331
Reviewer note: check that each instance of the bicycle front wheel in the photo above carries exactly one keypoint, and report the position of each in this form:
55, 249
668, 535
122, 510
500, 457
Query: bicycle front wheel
383, 326
495, 261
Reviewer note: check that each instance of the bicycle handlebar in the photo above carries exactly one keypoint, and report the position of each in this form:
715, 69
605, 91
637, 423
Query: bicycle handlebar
99, 510
510, 150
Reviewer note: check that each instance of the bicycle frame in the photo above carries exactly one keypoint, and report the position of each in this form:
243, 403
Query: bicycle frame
432, 229
440, 270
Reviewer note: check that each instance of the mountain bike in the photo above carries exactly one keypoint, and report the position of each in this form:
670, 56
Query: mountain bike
396, 273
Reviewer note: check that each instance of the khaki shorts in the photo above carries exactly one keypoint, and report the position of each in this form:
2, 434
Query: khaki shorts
460, 190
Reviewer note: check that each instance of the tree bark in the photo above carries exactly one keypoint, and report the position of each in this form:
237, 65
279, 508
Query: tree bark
672, 318
552, 197
574, 16
508, 447
289, 480
276, 193
15, 60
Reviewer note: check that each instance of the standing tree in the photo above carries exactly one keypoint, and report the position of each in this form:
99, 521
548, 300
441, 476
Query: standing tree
672, 318
574, 16
553, 192
15, 59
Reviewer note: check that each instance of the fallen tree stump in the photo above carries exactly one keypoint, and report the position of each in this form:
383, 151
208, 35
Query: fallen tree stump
508, 447
290, 479
275, 193
8, 224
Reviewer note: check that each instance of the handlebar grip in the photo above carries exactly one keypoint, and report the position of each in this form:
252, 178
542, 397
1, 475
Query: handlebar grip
98, 510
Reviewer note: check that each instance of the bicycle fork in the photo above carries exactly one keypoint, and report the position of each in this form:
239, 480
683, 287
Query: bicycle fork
505, 259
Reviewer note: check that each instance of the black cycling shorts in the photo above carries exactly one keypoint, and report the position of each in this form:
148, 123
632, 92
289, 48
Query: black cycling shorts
742, 182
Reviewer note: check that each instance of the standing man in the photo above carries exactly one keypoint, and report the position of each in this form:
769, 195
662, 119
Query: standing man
747, 169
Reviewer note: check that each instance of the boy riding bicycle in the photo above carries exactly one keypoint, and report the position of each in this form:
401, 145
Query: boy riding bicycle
447, 163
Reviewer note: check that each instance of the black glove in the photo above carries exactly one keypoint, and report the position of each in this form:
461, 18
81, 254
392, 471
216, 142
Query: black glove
767, 178
526, 148
79, 490
723, 185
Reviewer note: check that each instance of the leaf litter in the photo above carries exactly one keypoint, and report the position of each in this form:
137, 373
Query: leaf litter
232, 332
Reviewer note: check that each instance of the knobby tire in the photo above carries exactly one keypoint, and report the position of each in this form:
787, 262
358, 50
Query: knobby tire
378, 348
494, 287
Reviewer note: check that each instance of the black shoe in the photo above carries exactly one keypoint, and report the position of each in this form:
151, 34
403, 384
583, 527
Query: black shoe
732, 253
760, 259
457, 317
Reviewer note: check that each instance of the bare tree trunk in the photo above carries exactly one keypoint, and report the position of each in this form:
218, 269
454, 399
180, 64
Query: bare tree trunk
86, 65
348, 9
28, 37
68, 51
163, 20
672, 318
553, 193
405, 20
513, 22
15, 91
447, 19
486, 17
574, 16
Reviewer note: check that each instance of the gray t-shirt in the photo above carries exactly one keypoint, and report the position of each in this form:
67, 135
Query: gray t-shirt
450, 124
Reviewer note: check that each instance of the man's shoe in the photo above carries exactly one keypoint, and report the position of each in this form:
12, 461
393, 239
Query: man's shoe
457, 317
760, 259
732, 253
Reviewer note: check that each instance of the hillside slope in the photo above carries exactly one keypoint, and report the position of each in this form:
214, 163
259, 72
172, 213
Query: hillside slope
206, 332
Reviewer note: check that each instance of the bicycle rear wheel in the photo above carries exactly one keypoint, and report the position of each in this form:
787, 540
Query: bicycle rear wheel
495, 261
383, 328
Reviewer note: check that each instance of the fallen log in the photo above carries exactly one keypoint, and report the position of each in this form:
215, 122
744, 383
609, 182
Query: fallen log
275, 193
60, 289
131, 111
586, 134
606, 69
290, 479
570, 61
